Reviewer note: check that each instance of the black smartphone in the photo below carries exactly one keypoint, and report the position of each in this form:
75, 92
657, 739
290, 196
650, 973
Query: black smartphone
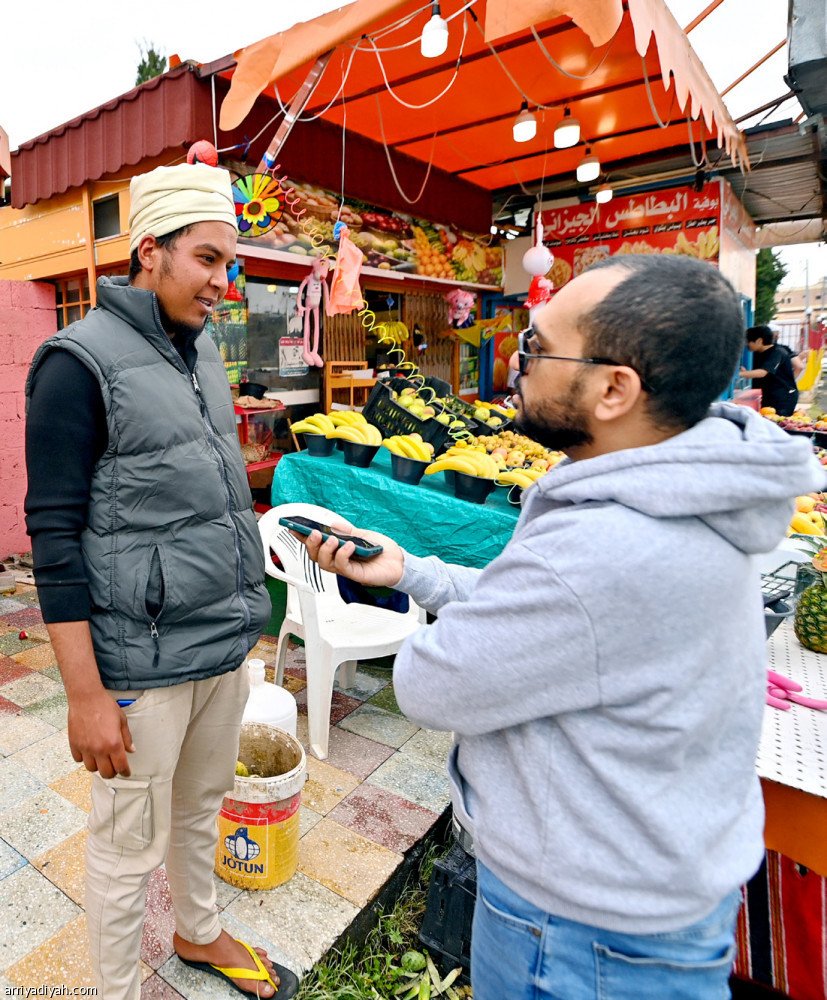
304, 525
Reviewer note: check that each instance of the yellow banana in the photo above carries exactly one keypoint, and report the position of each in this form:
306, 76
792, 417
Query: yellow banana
415, 449
805, 524
533, 474
453, 464
514, 479
338, 419
324, 422
483, 463
305, 427
393, 445
348, 434
372, 434
354, 418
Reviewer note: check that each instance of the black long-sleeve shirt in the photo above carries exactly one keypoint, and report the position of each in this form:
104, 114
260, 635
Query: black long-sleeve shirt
66, 434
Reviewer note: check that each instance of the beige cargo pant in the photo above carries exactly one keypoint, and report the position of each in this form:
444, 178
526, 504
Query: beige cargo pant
186, 746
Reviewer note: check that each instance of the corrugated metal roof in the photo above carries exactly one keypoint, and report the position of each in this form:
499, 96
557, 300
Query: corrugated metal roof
162, 114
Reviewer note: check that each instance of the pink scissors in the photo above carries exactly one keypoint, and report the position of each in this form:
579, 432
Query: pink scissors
781, 691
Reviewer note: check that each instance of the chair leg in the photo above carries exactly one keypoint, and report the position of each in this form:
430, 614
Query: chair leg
321, 670
281, 653
347, 673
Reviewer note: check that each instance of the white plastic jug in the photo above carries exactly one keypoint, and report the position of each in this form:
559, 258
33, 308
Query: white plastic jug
268, 702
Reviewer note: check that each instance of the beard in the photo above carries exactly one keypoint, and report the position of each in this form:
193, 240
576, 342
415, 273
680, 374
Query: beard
175, 328
556, 425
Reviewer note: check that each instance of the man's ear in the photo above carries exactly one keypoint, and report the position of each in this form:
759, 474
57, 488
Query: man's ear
149, 253
619, 392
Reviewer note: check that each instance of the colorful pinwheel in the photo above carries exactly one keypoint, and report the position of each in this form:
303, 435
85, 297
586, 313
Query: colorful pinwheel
259, 203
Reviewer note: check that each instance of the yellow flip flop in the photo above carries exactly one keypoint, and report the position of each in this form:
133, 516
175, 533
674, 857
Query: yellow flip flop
288, 982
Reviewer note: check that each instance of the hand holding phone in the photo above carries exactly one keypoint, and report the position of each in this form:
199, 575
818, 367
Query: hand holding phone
331, 551
305, 525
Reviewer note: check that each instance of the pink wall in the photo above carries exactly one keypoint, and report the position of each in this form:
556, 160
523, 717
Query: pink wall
27, 318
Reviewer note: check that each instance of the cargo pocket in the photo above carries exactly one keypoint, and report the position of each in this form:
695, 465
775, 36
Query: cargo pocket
627, 977
132, 820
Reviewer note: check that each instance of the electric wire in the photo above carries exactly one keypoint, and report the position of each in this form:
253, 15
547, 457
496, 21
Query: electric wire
410, 201
559, 68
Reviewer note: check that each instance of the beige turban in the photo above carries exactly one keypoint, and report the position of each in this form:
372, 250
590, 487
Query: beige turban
169, 198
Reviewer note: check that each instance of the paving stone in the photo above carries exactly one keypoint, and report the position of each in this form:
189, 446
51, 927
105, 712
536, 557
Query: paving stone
30, 688
354, 754
65, 866
415, 780
32, 911
40, 822
11, 670
305, 917
40, 657
430, 745
11, 644
378, 725
386, 699
49, 759
346, 862
54, 709
76, 786
8, 606
21, 730
17, 784
61, 960
340, 705
156, 989
383, 817
159, 923
8, 707
308, 818
365, 685
24, 617
326, 786
10, 860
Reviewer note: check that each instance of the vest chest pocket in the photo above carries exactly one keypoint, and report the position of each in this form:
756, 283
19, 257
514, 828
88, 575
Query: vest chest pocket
155, 592
132, 822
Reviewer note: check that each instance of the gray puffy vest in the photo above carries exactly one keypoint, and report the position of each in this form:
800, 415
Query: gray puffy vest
171, 547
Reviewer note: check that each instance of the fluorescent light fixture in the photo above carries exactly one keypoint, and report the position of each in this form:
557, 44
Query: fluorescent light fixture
494, 230
588, 169
293, 288
434, 39
567, 131
510, 235
525, 124
604, 193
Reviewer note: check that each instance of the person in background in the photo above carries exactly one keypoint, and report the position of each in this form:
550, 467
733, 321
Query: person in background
604, 677
773, 373
150, 574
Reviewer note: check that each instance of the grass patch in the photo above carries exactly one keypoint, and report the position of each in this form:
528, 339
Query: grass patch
372, 970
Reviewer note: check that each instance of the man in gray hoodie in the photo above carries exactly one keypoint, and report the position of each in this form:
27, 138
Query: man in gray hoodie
605, 675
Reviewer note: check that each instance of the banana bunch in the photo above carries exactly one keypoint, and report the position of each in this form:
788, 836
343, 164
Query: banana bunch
319, 423
520, 477
409, 446
397, 332
354, 427
469, 461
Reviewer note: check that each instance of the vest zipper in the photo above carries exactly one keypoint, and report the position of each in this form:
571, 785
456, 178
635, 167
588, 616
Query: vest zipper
153, 632
239, 569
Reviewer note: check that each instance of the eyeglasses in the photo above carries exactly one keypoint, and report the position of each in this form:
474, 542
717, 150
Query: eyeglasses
525, 354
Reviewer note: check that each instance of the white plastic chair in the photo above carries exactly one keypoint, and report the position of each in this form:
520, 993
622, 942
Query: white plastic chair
334, 633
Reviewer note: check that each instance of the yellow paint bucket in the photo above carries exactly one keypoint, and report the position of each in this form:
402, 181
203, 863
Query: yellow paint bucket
258, 826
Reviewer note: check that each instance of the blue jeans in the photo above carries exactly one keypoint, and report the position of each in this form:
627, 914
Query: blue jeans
519, 952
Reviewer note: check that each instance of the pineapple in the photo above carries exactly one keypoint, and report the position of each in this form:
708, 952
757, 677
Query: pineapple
811, 612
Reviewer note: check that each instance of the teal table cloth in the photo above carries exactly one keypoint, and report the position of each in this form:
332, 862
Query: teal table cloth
426, 519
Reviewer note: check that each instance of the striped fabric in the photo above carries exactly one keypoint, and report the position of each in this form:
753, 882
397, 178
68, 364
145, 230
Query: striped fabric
782, 929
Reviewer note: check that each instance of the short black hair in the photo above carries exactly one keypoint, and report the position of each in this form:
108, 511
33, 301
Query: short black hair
678, 322
168, 240
762, 333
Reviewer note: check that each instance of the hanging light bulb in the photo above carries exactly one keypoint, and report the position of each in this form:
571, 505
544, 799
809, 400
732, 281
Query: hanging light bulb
588, 169
567, 131
604, 193
434, 39
525, 124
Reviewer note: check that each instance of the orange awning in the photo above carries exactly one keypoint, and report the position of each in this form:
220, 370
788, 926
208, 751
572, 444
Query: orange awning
625, 70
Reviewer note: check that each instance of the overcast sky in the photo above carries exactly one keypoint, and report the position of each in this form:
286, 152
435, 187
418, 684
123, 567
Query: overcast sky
85, 52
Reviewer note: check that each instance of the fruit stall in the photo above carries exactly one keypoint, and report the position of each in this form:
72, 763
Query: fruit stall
418, 463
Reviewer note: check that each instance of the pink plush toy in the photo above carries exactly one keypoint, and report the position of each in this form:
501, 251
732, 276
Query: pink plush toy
313, 288
460, 305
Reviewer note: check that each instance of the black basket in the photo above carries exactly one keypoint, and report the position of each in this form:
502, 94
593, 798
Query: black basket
391, 418
360, 455
407, 470
319, 445
474, 489
446, 926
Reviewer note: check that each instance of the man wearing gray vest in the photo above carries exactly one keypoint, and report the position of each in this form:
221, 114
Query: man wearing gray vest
150, 574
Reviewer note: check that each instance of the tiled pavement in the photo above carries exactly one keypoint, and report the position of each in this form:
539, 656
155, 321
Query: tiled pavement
381, 789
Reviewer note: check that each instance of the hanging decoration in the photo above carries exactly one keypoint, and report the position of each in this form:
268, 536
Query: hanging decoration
204, 152
312, 290
259, 204
537, 261
460, 304
346, 294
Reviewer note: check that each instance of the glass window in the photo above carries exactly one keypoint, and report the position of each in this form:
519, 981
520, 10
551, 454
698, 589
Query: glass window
72, 290
271, 307
107, 219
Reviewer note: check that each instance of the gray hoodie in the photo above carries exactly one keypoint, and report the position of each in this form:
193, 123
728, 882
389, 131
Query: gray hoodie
605, 675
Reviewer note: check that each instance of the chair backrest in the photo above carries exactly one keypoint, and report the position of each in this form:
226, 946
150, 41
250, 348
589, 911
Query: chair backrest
291, 553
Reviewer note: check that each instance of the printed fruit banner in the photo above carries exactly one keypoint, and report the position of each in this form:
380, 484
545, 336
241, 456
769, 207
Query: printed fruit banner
675, 220
389, 241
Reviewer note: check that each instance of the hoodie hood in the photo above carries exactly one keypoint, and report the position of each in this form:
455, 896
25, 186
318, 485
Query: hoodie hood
734, 470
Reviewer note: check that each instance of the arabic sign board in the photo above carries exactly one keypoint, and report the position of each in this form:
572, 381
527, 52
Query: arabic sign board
389, 241
675, 221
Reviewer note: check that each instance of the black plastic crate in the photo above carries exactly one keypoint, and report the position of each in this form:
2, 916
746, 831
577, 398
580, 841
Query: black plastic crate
449, 912
391, 418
